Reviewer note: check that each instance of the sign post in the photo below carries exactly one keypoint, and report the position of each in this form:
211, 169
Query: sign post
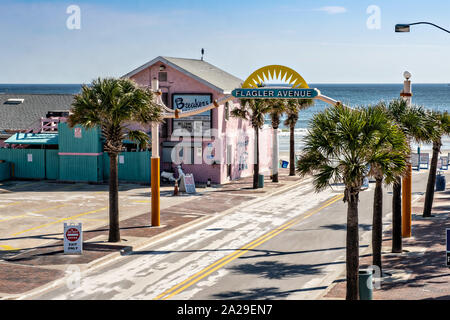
73, 239
448, 247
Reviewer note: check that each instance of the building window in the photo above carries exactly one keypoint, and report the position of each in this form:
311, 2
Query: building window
227, 110
162, 76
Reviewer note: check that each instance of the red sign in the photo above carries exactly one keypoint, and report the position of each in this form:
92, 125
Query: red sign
72, 234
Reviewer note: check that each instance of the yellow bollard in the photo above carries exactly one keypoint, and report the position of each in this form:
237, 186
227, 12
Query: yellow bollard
155, 181
406, 203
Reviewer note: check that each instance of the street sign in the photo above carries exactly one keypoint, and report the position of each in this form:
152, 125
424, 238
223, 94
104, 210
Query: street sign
275, 93
448, 247
415, 160
73, 239
425, 159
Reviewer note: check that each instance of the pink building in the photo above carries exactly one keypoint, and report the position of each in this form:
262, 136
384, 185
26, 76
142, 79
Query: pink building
212, 145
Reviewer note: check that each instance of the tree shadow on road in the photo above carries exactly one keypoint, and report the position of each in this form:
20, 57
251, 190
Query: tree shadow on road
261, 293
277, 270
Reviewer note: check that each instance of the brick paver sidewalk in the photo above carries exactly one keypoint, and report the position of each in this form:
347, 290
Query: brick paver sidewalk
421, 271
30, 269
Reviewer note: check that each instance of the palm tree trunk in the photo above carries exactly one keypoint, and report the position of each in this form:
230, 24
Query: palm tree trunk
429, 197
292, 150
397, 216
256, 165
377, 224
114, 229
352, 257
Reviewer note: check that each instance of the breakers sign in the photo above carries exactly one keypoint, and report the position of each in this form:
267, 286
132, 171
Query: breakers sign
296, 87
273, 93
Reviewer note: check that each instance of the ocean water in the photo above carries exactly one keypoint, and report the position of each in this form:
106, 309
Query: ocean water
40, 88
431, 96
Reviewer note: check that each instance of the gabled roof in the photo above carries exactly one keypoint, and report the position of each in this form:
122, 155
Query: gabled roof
35, 106
200, 70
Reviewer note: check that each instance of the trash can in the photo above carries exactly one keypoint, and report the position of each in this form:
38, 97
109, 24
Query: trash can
365, 284
284, 164
261, 181
440, 182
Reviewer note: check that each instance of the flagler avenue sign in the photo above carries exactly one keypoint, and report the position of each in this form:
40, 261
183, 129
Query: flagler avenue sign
275, 93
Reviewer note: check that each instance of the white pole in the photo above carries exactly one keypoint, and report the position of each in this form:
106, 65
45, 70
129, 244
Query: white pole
407, 90
276, 155
155, 168
155, 126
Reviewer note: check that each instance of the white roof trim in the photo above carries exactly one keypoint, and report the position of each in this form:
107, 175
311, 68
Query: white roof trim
161, 59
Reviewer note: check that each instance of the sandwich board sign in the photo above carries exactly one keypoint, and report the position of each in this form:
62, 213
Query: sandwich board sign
187, 183
73, 238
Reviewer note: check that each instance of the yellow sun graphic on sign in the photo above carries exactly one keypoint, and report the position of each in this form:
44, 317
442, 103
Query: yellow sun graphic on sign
282, 73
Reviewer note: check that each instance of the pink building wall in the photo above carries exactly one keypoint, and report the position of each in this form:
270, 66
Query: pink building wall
228, 130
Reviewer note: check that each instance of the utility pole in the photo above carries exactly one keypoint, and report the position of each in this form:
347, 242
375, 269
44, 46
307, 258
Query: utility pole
406, 94
155, 166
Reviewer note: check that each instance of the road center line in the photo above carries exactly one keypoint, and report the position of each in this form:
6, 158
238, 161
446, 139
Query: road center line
239, 252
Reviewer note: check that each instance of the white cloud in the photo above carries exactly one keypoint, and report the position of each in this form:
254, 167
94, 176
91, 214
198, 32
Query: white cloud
332, 9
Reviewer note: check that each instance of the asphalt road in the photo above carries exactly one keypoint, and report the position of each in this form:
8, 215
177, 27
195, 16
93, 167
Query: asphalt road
289, 246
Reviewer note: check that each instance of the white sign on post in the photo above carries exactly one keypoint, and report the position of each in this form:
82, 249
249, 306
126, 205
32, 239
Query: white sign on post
121, 159
73, 238
415, 160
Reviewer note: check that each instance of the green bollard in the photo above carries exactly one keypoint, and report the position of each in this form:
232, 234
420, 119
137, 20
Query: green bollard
365, 284
261, 181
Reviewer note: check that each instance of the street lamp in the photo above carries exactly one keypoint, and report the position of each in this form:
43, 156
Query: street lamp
407, 27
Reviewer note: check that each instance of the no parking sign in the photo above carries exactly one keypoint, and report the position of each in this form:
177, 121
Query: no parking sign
448, 247
73, 239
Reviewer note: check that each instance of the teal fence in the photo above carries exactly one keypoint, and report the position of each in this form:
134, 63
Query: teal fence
133, 166
27, 163
51, 164
80, 168
78, 139
5, 171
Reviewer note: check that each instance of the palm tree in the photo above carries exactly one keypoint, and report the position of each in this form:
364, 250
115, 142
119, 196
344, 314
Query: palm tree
111, 104
441, 127
338, 149
278, 107
253, 110
293, 107
387, 162
412, 120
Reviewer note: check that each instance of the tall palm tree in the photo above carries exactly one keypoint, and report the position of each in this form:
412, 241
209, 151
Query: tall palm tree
293, 107
338, 149
387, 162
441, 127
412, 120
278, 107
111, 104
255, 111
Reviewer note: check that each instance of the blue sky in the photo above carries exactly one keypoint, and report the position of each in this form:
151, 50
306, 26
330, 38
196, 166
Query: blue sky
325, 41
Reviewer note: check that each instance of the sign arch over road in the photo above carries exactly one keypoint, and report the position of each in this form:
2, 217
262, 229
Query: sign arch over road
288, 75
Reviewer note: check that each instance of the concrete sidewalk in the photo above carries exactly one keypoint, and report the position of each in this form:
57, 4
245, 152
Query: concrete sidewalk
27, 271
420, 272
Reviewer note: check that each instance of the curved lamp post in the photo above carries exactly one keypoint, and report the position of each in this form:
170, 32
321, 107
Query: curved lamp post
407, 27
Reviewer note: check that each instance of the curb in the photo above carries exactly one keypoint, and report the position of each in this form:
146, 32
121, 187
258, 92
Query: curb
364, 252
150, 241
